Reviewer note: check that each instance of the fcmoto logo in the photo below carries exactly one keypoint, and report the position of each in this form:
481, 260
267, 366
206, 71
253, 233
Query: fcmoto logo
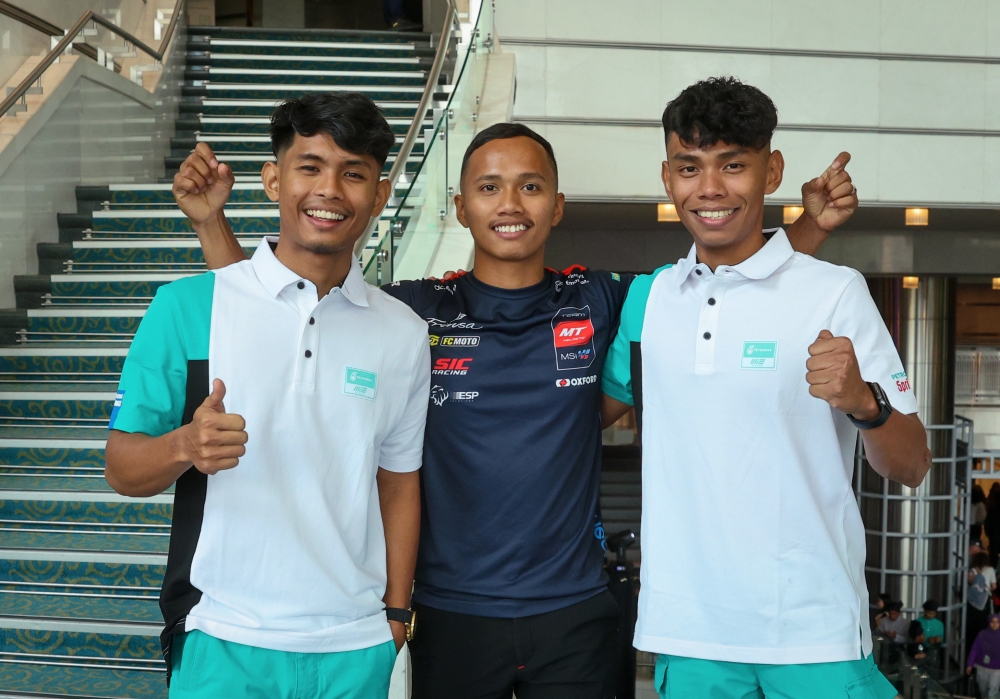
573, 337
452, 366
454, 341
581, 381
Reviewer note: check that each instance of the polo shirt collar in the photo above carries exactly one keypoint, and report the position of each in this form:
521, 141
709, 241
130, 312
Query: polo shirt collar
761, 265
275, 277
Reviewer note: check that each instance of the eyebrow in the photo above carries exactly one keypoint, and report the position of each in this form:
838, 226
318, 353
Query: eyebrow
351, 162
725, 155
522, 176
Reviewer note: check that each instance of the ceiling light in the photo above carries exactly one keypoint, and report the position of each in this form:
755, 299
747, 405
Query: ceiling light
916, 217
666, 212
996, 283
792, 213
911, 282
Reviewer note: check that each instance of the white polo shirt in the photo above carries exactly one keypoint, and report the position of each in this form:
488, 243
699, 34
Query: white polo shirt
753, 545
290, 552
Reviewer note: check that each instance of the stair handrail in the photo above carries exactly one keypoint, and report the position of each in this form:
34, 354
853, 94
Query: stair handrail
31, 20
416, 127
71, 34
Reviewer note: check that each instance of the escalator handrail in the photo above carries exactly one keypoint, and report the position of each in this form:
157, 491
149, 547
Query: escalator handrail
399, 167
71, 34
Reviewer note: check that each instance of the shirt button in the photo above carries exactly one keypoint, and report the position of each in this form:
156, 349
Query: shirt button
707, 336
711, 302
312, 321
698, 272
301, 285
308, 354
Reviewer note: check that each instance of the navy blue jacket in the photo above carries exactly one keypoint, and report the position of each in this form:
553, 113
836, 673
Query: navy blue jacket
511, 521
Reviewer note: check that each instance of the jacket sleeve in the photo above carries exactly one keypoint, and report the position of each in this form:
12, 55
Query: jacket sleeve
977, 652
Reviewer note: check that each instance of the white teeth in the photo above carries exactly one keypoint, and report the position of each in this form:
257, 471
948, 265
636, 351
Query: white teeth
715, 214
320, 213
510, 229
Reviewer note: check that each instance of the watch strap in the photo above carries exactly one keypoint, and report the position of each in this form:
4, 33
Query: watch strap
885, 410
404, 616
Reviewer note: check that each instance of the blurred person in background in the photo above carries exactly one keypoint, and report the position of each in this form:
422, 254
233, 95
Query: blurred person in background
982, 583
894, 625
984, 657
933, 628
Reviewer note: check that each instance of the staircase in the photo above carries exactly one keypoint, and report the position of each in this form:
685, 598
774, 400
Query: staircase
80, 565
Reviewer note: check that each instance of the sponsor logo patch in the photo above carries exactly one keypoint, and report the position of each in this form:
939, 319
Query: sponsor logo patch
579, 381
452, 366
460, 341
114, 410
360, 383
459, 322
759, 354
464, 396
902, 382
439, 395
573, 337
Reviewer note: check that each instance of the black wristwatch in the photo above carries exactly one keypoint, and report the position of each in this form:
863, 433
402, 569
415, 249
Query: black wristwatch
885, 409
407, 617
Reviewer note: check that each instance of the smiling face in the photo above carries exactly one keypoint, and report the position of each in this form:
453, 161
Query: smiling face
326, 195
719, 194
509, 200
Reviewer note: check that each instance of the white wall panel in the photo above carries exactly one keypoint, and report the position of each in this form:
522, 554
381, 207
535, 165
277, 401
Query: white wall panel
622, 20
616, 84
933, 169
850, 25
947, 27
711, 22
601, 161
932, 95
824, 90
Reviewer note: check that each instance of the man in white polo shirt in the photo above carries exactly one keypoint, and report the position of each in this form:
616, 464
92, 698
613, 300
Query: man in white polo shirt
748, 363
297, 506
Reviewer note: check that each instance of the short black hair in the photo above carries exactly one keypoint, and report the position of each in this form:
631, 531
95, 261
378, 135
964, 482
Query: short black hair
721, 109
930, 606
352, 120
507, 130
916, 630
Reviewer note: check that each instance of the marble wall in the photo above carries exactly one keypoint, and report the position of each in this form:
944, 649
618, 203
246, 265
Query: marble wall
910, 87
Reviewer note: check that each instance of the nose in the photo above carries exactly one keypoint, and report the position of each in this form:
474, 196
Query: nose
510, 202
711, 184
328, 185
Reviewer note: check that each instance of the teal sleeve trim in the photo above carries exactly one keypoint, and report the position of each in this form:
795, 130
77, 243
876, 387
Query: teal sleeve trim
174, 331
617, 379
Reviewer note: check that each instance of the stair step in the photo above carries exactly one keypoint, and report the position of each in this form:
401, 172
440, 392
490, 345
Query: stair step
401, 106
279, 91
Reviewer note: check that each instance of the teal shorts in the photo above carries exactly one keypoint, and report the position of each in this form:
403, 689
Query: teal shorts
206, 668
690, 678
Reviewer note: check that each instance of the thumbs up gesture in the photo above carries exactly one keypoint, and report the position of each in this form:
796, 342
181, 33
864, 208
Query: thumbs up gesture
834, 375
214, 439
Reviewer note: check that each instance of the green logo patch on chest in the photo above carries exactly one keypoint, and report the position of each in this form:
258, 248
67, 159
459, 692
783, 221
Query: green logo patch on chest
759, 354
360, 383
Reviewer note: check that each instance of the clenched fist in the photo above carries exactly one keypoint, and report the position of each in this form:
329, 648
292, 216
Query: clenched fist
202, 185
214, 439
834, 376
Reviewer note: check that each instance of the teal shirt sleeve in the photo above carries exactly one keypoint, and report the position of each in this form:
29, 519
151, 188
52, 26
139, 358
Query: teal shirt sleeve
153, 386
617, 378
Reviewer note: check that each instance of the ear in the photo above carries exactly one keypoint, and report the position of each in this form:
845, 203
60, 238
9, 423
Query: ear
269, 176
665, 176
775, 171
383, 190
460, 210
557, 214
